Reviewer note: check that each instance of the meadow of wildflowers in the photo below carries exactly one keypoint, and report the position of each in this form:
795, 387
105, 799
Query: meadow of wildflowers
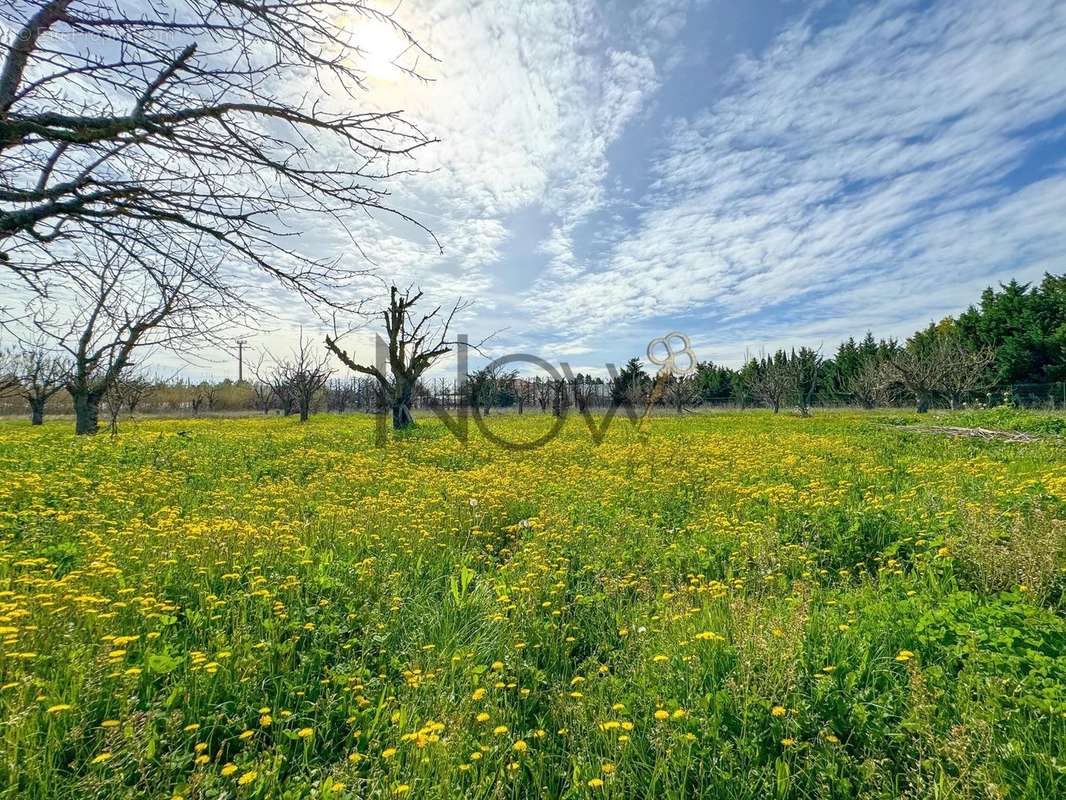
723, 606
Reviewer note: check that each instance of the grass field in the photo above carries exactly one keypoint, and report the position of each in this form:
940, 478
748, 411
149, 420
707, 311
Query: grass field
723, 606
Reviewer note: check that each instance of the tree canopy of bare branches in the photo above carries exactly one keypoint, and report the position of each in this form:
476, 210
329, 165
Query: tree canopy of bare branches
9, 379
769, 380
222, 123
414, 345
963, 369
868, 386
40, 374
804, 367
937, 362
120, 304
298, 380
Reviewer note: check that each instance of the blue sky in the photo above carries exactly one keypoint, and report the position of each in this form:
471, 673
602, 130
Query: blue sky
755, 174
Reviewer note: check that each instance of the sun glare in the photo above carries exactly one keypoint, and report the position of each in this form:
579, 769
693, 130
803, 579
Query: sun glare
378, 46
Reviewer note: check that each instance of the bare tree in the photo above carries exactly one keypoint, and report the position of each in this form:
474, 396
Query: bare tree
135, 390
262, 395
544, 393
680, 390
804, 369
935, 364
340, 394
300, 378
41, 374
124, 393
560, 397
770, 381
523, 392
214, 122
486, 386
636, 393
581, 386
962, 370
9, 379
868, 386
414, 345
124, 302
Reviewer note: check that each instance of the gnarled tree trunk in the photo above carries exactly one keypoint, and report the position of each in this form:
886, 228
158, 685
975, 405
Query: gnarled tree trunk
401, 406
37, 411
86, 412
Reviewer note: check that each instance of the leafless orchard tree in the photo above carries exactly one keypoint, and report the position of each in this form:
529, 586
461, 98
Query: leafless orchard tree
637, 393
917, 372
487, 385
582, 388
300, 378
771, 384
942, 366
9, 380
560, 396
523, 391
963, 370
41, 374
263, 395
217, 123
414, 344
869, 386
680, 391
544, 393
804, 369
122, 303
124, 393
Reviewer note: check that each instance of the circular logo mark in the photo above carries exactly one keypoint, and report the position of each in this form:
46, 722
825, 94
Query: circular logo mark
664, 353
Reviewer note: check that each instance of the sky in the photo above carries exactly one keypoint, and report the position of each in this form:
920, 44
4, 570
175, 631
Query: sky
755, 174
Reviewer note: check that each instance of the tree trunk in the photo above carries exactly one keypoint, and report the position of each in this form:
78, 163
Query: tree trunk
401, 409
86, 413
36, 411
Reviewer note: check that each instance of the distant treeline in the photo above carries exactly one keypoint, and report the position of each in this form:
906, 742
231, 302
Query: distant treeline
1008, 348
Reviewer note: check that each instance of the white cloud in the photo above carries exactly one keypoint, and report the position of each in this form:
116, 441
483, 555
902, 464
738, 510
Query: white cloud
852, 175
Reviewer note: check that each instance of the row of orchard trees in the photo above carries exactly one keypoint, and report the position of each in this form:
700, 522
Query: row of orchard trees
1015, 334
946, 362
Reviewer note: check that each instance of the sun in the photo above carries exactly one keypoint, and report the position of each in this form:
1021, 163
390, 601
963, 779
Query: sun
377, 44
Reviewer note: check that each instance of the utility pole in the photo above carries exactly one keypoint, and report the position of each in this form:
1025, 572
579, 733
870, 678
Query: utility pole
240, 360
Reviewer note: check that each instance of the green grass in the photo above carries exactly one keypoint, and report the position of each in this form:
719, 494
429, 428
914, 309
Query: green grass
731, 605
